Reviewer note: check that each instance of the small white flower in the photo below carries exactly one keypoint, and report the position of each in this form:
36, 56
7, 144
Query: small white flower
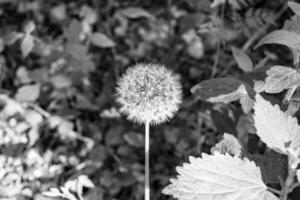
149, 92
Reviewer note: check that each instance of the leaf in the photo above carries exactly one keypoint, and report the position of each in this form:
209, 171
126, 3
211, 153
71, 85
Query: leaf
284, 37
245, 125
246, 103
218, 177
134, 139
61, 81
225, 90
12, 37
29, 28
298, 175
216, 89
272, 165
22, 75
292, 24
102, 41
280, 78
135, 12
223, 121
114, 136
190, 21
242, 59
28, 93
73, 31
295, 7
195, 47
54, 192
277, 129
27, 45
229, 144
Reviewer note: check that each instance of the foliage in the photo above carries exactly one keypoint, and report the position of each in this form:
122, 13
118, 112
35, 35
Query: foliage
60, 62
211, 175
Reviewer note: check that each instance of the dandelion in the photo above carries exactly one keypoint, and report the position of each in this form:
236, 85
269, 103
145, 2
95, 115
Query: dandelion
149, 94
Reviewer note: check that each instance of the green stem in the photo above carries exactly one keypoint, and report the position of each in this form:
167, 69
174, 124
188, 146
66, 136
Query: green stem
147, 173
288, 184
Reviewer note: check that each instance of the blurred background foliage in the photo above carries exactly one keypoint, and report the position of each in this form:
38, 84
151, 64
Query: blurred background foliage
59, 63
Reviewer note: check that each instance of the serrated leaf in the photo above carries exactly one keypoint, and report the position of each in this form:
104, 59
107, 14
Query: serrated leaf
135, 12
280, 78
102, 41
277, 129
242, 59
229, 144
283, 37
295, 7
27, 45
28, 93
218, 177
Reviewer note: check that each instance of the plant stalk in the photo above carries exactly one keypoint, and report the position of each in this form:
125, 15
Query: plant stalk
147, 171
288, 185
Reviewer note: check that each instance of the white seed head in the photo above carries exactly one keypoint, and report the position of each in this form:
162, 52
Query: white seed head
149, 92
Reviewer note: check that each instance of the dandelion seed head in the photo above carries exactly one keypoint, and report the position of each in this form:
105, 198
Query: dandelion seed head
149, 92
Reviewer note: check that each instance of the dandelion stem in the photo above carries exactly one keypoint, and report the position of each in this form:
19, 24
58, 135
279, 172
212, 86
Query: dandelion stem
147, 147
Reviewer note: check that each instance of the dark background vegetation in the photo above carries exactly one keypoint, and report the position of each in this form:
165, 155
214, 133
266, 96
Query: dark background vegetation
60, 61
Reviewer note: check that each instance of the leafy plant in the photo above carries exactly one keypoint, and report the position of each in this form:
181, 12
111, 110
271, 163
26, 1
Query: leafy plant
229, 172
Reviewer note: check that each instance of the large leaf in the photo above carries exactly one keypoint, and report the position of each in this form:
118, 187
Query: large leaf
280, 78
277, 129
219, 177
219, 89
293, 25
284, 37
242, 59
224, 90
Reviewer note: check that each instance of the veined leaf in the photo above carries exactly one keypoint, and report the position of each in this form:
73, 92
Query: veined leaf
219, 177
277, 129
281, 78
284, 37
293, 25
